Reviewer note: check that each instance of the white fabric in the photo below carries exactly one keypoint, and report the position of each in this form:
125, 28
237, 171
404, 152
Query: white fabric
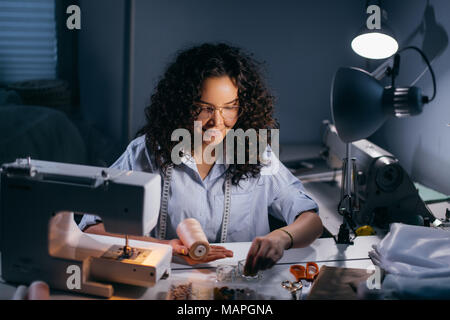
414, 251
417, 262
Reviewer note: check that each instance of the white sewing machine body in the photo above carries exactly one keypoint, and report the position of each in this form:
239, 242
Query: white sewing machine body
41, 241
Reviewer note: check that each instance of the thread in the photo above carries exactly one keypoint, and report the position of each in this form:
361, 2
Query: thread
190, 232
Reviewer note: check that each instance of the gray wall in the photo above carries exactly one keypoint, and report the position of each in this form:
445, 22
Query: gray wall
422, 143
101, 64
302, 43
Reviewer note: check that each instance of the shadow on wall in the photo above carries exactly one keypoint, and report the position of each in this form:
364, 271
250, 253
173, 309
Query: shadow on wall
435, 38
435, 41
429, 167
422, 143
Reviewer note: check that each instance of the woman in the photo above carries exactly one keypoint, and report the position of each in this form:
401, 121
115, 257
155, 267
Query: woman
209, 90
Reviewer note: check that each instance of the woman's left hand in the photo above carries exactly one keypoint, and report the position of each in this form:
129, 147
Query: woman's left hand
265, 252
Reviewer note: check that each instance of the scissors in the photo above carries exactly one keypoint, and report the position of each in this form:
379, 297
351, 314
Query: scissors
301, 273
292, 287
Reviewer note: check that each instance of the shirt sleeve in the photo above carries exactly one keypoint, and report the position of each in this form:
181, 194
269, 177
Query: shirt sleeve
124, 161
88, 220
289, 198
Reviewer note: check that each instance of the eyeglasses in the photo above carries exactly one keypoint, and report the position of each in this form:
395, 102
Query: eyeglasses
228, 113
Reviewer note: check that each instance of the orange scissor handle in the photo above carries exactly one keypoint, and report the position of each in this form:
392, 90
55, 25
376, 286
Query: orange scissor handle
298, 271
301, 273
312, 270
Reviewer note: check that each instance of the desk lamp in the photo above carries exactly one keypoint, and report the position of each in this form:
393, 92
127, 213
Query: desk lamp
360, 105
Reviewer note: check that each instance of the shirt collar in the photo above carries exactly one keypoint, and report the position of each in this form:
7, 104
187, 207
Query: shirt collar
217, 170
189, 161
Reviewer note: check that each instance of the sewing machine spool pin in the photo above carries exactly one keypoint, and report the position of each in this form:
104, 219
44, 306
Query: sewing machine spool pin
127, 250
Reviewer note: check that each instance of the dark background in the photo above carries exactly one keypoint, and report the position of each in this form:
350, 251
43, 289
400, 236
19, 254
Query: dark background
116, 59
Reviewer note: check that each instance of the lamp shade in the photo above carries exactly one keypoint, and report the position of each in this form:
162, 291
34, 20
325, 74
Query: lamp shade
356, 104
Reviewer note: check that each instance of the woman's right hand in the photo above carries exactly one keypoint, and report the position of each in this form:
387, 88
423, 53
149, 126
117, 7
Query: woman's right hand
215, 253
178, 247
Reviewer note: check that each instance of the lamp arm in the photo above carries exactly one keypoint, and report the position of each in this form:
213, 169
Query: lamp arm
380, 72
393, 72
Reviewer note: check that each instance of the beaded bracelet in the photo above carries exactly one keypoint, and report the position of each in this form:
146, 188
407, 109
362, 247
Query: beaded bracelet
290, 236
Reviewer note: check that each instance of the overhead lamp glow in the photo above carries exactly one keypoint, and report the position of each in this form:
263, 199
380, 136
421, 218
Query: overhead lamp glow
374, 45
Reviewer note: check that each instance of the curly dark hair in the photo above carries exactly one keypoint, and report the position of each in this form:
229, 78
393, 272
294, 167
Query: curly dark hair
171, 105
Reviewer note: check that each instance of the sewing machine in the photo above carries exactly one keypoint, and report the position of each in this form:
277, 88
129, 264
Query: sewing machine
385, 192
41, 241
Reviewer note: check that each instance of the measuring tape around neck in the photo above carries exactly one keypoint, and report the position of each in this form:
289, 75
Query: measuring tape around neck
165, 202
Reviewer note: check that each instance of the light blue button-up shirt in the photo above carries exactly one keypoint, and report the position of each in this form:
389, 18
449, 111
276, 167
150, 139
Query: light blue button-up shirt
276, 192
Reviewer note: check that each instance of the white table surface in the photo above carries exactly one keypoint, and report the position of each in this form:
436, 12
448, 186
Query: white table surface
323, 251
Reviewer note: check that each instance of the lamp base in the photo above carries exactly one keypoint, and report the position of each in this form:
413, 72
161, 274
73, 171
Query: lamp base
343, 236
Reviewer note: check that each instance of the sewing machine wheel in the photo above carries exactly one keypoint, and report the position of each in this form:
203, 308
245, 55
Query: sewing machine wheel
389, 177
